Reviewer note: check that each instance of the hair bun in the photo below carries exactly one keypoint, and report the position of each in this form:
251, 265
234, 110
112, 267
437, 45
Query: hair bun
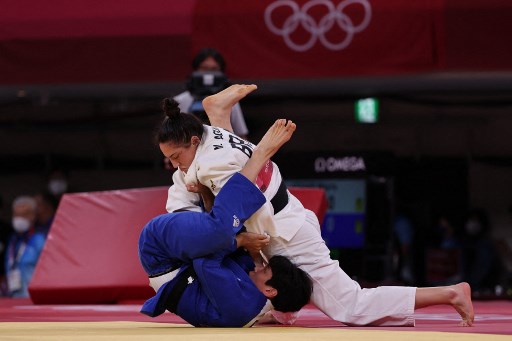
170, 107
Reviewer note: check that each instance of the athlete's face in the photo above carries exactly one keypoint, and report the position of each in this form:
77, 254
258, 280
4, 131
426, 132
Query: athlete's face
180, 156
260, 277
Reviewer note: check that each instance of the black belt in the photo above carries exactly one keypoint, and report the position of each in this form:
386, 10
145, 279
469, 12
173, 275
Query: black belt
280, 200
179, 288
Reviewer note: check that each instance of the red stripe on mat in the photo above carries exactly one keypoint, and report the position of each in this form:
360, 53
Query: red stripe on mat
491, 317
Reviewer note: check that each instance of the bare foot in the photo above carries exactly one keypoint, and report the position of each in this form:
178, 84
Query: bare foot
218, 107
275, 137
462, 303
280, 133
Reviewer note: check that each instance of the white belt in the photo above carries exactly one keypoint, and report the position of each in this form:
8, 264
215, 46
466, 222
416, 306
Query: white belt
157, 282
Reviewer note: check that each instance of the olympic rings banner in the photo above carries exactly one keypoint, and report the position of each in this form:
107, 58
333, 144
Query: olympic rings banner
322, 38
316, 28
318, 38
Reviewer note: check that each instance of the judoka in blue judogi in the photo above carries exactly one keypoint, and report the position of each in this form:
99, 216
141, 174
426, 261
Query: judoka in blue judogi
198, 273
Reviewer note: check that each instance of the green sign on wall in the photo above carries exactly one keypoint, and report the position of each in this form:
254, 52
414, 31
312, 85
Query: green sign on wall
367, 110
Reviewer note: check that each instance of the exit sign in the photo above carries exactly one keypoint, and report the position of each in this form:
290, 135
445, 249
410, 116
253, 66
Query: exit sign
367, 110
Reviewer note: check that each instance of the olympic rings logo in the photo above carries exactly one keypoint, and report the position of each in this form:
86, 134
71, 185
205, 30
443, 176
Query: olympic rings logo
317, 30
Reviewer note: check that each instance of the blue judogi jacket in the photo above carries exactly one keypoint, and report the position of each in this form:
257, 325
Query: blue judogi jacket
223, 295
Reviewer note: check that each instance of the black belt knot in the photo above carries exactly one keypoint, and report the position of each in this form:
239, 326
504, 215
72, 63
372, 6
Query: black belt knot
179, 288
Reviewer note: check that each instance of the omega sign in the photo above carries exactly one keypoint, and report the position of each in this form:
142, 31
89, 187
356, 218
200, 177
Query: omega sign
344, 164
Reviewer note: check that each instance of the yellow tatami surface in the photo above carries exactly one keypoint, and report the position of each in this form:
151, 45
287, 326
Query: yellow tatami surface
148, 331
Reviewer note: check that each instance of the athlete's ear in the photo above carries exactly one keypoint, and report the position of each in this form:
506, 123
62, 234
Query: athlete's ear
270, 292
195, 140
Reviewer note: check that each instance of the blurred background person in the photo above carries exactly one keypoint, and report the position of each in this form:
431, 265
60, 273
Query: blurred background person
46, 207
481, 264
58, 183
444, 252
403, 231
24, 246
208, 78
446, 233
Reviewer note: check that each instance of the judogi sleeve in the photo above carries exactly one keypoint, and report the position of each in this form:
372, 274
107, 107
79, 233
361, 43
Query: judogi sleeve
178, 198
188, 235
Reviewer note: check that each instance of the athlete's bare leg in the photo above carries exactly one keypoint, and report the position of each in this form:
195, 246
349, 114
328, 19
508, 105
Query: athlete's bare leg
218, 107
458, 296
280, 133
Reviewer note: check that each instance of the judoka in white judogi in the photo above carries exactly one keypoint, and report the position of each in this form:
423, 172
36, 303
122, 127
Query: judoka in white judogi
295, 233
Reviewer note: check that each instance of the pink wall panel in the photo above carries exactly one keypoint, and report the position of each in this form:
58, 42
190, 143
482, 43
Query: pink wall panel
91, 252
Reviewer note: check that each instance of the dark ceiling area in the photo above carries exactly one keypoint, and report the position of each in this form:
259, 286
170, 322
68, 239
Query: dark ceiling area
111, 125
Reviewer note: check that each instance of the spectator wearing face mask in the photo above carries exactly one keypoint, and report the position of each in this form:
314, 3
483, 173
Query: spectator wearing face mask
209, 61
24, 246
58, 183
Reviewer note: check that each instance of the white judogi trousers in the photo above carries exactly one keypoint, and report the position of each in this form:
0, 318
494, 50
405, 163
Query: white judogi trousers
334, 292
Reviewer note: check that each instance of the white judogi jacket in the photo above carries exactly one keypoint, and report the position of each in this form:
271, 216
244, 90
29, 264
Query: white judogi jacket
221, 154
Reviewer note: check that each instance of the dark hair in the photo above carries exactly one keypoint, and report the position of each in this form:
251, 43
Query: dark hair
177, 127
205, 53
294, 286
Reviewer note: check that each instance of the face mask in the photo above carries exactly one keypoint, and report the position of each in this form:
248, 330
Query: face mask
20, 224
58, 186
